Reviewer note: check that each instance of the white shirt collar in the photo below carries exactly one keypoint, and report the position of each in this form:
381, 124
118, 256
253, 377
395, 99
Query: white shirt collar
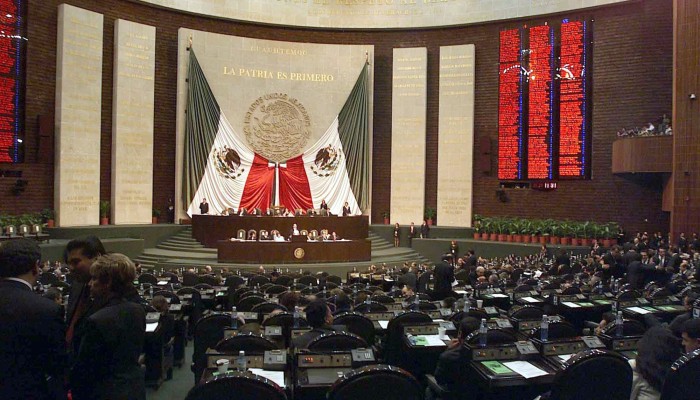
20, 280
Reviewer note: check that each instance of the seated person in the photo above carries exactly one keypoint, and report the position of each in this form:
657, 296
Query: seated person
264, 235
294, 230
346, 209
252, 235
243, 212
277, 237
288, 213
342, 301
449, 370
656, 351
334, 236
319, 317
691, 335
325, 235
407, 293
167, 322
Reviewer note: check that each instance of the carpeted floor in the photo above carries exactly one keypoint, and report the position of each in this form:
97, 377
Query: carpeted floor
182, 382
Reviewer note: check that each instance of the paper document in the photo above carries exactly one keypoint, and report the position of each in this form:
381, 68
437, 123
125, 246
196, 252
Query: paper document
151, 327
163, 283
529, 299
433, 340
565, 357
383, 324
274, 376
639, 310
460, 292
499, 296
570, 304
525, 368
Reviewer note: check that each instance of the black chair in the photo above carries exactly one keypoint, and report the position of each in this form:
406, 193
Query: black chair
234, 294
148, 278
258, 280
189, 279
275, 289
383, 299
557, 330
379, 381
571, 290
423, 306
286, 321
462, 275
527, 312
234, 281
335, 279
493, 337
371, 307
682, 381
333, 341
473, 312
358, 324
522, 288
172, 277
204, 286
394, 333
308, 280
594, 374
284, 280
248, 342
626, 295
237, 386
207, 333
630, 327
247, 303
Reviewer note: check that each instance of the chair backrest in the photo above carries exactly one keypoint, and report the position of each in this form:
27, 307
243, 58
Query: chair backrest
473, 312
337, 341
236, 385
571, 290
286, 321
371, 307
234, 281
189, 279
267, 307
36, 229
630, 327
10, 230
522, 288
284, 280
258, 280
394, 332
304, 232
682, 381
423, 306
528, 312
276, 289
207, 333
174, 299
557, 330
248, 342
335, 279
241, 234
148, 278
383, 299
24, 229
203, 286
594, 374
384, 382
358, 324
308, 280
247, 303
628, 295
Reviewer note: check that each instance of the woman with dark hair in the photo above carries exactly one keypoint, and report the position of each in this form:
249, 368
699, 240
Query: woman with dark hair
111, 339
397, 233
656, 351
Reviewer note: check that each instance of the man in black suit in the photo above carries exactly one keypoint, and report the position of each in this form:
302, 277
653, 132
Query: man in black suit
319, 317
471, 260
32, 331
408, 278
79, 255
452, 367
204, 207
444, 276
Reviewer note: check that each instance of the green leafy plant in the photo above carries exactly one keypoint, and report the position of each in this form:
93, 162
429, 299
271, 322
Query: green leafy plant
155, 212
104, 208
430, 213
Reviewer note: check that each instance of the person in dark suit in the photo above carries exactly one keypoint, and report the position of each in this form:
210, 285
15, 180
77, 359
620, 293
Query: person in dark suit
412, 232
319, 317
408, 278
111, 338
346, 209
204, 207
471, 260
79, 255
32, 331
451, 366
444, 276
397, 235
424, 229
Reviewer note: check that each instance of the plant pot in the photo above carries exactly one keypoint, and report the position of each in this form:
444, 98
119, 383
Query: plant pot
575, 241
484, 236
493, 237
585, 242
50, 223
502, 237
543, 239
608, 242
527, 238
477, 235
565, 241
104, 220
386, 221
154, 220
554, 240
430, 222
518, 238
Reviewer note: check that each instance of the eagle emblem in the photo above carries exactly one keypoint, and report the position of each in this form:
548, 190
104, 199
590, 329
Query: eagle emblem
227, 162
326, 161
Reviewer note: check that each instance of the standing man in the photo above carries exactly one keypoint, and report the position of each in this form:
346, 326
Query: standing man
204, 207
32, 331
424, 229
411, 234
79, 255
444, 276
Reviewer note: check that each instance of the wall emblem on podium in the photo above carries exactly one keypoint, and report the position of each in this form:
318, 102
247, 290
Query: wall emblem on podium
277, 127
227, 162
299, 253
327, 161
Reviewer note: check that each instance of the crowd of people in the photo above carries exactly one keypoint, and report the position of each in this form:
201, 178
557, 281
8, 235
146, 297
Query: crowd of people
92, 348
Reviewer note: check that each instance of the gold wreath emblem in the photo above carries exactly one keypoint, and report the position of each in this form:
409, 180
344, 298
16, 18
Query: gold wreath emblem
299, 253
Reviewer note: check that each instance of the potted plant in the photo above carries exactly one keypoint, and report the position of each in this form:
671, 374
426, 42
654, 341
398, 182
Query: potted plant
565, 232
385, 217
512, 229
104, 212
500, 225
486, 228
610, 232
586, 232
476, 224
155, 214
526, 230
48, 217
546, 230
430, 215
